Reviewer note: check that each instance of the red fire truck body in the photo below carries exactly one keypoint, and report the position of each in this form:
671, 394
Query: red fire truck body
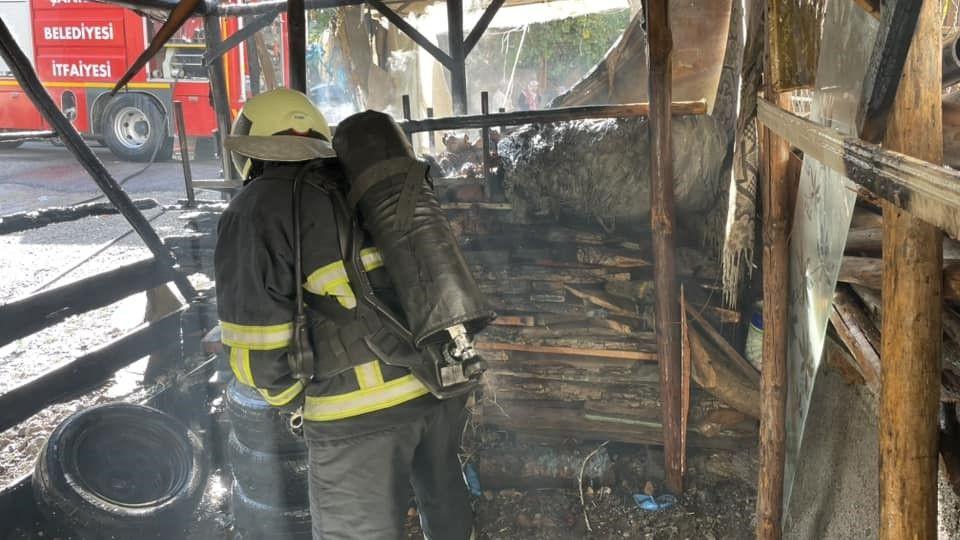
80, 49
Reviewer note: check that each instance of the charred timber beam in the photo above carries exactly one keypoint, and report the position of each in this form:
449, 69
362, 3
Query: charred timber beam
87, 371
897, 23
24, 317
660, 49
868, 272
481, 26
23, 221
412, 33
929, 192
20, 65
259, 8
15, 136
563, 114
297, 44
458, 56
243, 34
175, 19
912, 305
218, 91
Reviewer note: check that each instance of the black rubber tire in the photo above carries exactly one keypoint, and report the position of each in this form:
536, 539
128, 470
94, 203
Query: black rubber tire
10, 145
275, 479
257, 521
259, 425
120, 471
126, 118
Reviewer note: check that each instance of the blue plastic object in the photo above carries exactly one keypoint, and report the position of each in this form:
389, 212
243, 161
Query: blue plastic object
651, 504
473, 483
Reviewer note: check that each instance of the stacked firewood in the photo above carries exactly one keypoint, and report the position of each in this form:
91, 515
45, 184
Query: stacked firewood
573, 352
857, 307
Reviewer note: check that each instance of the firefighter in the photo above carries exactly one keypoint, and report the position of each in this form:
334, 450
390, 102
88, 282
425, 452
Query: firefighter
373, 430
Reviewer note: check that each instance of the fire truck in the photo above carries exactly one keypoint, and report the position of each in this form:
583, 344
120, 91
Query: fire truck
80, 49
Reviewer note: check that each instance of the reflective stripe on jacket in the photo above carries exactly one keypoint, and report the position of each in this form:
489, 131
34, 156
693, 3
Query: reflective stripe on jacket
256, 299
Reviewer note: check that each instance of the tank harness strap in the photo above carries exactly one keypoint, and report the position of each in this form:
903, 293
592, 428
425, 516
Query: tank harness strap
374, 174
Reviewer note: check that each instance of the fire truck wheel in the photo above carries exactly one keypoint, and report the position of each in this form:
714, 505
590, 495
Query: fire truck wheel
134, 128
279, 479
257, 424
255, 520
120, 470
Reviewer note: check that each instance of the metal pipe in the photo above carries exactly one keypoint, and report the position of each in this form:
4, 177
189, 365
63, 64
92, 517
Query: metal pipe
485, 136
22, 69
13, 136
184, 152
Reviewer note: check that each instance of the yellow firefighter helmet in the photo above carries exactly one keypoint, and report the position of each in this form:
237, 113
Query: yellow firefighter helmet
279, 125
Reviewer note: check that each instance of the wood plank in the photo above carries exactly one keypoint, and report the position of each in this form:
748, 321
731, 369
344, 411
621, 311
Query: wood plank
859, 334
929, 192
482, 344
912, 305
87, 371
33, 313
868, 272
562, 114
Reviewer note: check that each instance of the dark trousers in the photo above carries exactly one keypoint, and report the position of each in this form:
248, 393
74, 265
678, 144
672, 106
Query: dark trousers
360, 483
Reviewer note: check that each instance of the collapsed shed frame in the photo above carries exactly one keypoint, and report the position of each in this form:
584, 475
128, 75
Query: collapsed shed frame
923, 189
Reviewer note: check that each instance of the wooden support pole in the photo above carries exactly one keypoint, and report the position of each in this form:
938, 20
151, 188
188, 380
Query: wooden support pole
912, 307
485, 135
433, 142
775, 156
662, 220
458, 56
297, 44
218, 91
481, 26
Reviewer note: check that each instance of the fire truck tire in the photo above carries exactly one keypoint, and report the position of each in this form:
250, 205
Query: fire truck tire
259, 425
258, 521
134, 128
119, 470
279, 479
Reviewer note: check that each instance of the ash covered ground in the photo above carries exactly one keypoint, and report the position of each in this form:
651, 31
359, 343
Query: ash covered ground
713, 506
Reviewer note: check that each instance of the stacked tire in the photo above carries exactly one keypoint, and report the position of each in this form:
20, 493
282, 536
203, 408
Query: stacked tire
269, 463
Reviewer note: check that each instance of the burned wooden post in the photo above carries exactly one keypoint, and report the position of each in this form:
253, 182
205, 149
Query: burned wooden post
20, 65
218, 90
433, 142
297, 44
912, 306
775, 157
662, 219
184, 152
458, 56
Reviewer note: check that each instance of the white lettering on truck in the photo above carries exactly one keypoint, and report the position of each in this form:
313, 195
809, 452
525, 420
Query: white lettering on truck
81, 32
83, 70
